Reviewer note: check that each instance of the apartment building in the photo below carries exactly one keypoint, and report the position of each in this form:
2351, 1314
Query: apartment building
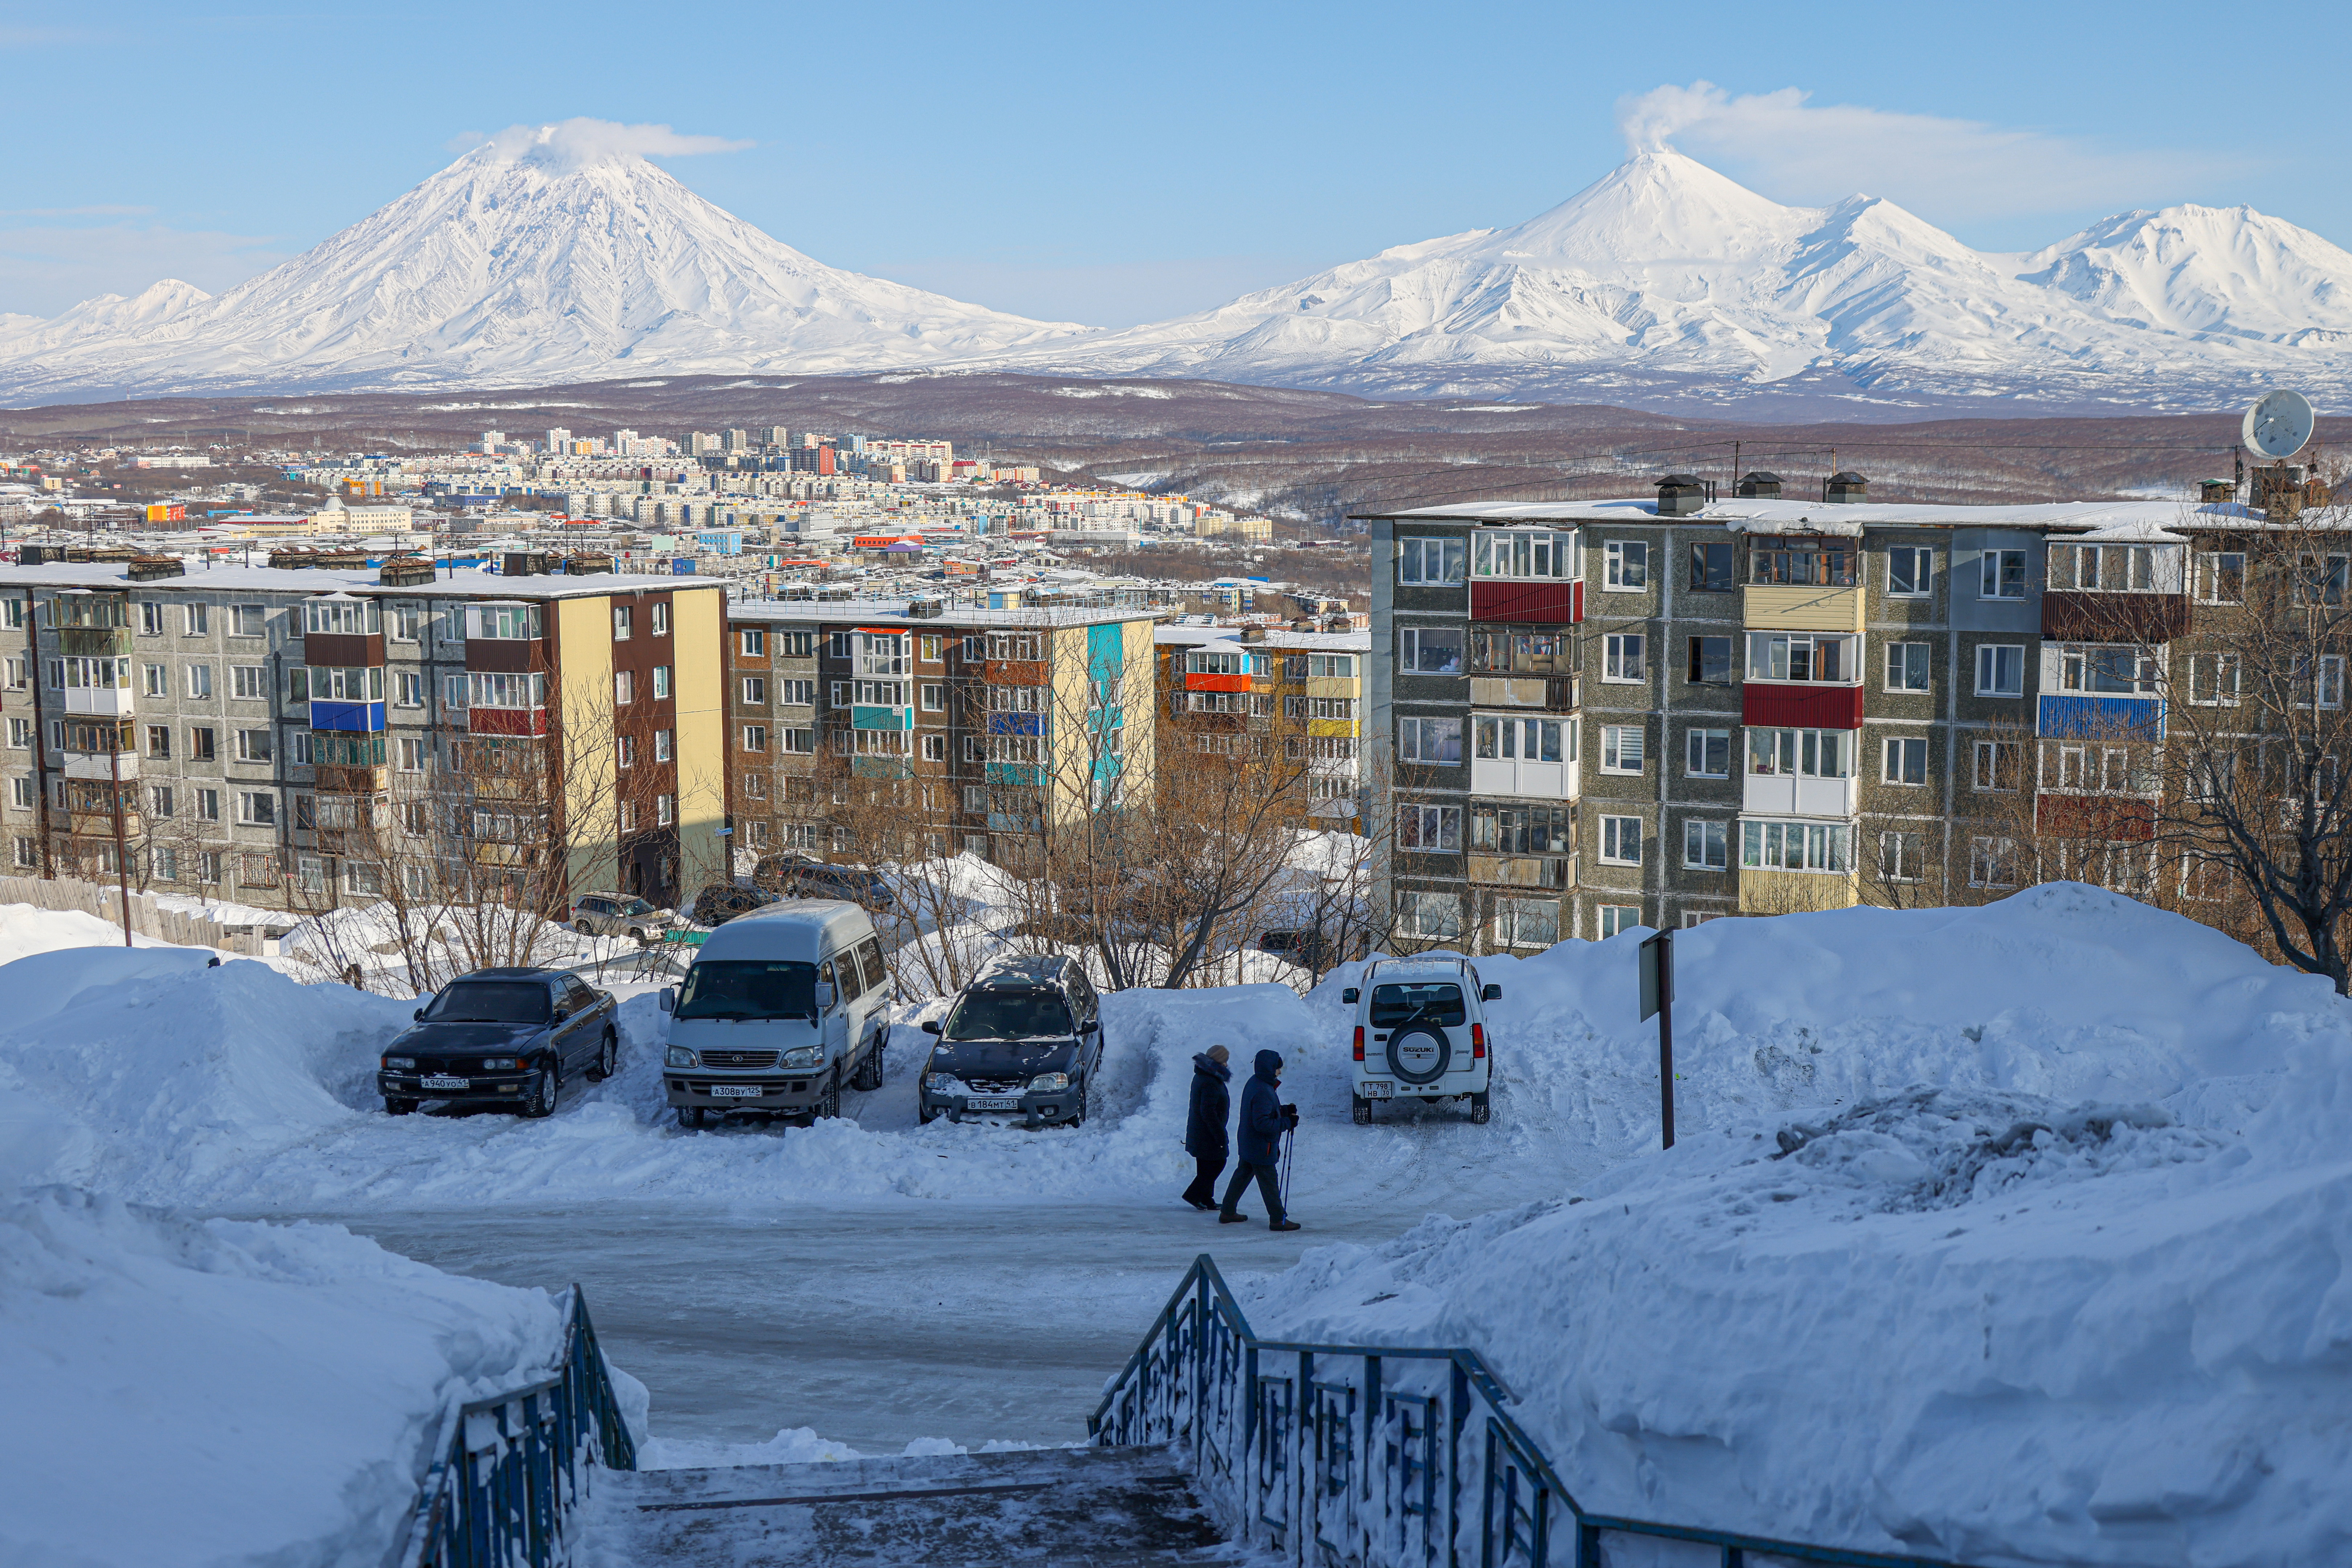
1655, 711
1299, 693
999, 723
269, 735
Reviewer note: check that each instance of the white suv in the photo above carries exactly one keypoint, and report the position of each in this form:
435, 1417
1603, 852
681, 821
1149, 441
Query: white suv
1421, 1034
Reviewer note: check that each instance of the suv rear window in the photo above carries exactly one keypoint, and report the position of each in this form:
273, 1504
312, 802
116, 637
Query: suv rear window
1431, 1001
1008, 1015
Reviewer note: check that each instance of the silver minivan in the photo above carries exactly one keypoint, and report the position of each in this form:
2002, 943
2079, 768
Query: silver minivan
781, 1008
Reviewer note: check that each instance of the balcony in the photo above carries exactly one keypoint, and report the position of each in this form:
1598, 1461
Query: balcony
101, 824
1555, 871
1528, 781
94, 642
100, 765
1794, 705
503, 721
2140, 618
1554, 693
2096, 818
2077, 716
333, 778
871, 717
361, 718
1801, 607
103, 701
1769, 892
1794, 795
1541, 602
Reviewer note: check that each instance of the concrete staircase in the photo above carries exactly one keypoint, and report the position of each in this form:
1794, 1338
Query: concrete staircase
1069, 1507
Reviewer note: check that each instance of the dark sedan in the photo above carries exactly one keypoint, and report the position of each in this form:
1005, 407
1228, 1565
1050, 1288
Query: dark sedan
723, 901
502, 1037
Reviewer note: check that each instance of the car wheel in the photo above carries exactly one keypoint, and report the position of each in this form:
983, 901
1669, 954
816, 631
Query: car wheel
870, 1070
608, 1059
925, 1115
1086, 1089
398, 1107
637, 934
1479, 1108
830, 1106
545, 1090
583, 927
1363, 1110
689, 1116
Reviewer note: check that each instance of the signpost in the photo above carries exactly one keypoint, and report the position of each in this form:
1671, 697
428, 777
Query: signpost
1658, 1001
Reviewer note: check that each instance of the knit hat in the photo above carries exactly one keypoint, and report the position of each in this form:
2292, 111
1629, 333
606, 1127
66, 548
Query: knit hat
1219, 1053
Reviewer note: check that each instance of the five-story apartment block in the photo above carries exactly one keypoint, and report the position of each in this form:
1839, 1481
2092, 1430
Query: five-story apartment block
1294, 697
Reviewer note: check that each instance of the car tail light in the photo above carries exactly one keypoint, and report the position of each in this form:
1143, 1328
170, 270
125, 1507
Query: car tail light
1478, 1041
1359, 1042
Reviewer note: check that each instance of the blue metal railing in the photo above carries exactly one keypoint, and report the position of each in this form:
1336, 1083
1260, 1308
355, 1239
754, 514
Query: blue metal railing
1376, 1457
507, 1470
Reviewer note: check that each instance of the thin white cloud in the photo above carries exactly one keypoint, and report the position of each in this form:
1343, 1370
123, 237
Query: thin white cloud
573, 143
1950, 170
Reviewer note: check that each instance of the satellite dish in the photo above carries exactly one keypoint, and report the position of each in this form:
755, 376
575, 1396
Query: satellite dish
2279, 425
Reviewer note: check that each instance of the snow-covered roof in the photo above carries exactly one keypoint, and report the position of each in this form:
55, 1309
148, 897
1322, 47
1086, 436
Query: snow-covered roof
462, 584
1175, 636
820, 610
1759, 514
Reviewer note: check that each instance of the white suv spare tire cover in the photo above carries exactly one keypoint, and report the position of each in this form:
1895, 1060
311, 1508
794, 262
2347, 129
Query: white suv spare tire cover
1420, 1054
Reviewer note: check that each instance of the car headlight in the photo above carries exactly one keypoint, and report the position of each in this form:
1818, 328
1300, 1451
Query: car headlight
499, 1064
400, 1064
800, 1059
1046, 1081
943, 1083
680, 1056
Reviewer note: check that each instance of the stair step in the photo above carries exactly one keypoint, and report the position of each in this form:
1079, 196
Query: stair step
1070, 1508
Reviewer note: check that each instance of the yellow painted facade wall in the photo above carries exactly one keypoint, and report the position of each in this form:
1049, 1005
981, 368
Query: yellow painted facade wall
584, 652
698, 622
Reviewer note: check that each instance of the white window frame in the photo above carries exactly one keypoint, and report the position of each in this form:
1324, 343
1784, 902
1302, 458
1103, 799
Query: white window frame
1702, 837
1431, 560
1989, 668
1610, 843
1792, 752
2219, 693
1615, 920
1925, 656
1625, 566
1987, 763
1989, 859
1825, 848
1695, 744
1424, 730
1759, 650
1409, 641
1897, 865
1621, 651
1894, 756
1622, 747
1428, 827
1922, 560
1993, 580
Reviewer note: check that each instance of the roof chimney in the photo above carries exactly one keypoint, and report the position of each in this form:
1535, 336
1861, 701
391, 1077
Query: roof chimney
1846, 485
1682, 495
1757, 482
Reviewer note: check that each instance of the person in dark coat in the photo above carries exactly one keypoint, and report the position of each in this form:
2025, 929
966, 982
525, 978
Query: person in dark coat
1204, 1124
1264, 1120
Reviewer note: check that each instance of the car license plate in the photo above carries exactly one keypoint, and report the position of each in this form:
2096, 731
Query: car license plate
736, 1091
438, 1081
1379, 1089
992, 1104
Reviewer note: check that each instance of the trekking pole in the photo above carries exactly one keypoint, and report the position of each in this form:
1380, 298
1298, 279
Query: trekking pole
1289, 1135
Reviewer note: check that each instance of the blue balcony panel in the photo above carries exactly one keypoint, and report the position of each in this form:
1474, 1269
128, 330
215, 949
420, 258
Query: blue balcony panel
1016, 723
2074, 716
865, 718
365, 717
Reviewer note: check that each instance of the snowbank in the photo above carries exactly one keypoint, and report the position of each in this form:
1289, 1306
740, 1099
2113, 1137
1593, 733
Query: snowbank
25, 930
221, 1393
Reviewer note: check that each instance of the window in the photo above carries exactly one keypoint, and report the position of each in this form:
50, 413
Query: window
2106, 568
665, 746
2222, 577
1802, 656
2106, 669
250, 681
665, 810
1906, 761
1992, 863
2001, 671
1711, 568
1621, 748
200, 681
1616, 920
258, 807
20, 734
1522, 653
2001, 575
2214, 679
253, 746
301, 753
935, 698
1902, 856
20, 674
207, 804
625, 749
624, 622
516, 691
801, 741
1431, 562
159, 680
1525, 740
930, 646
1704, 845
1525, 922
1621, 840
628, 816
150, 620
1430, 829
412, 754
1433, 742
1910, 571
406, 620
755, 691
754, 642
1708, 754
200, 744
2322, 685
453, 693
935, 748
1800, 753
661, 682
1622, 658
1710, 661
1996, 765
1802, 560
625, 688
411, 689
659, 614
1523, 829
248, 620
755, 737
795, 693
20, 792
503, 623
1434, 916
1794, 846
1907, 665
2103, 770
29, 850
1429, 651
1523, 554
195, 620
1625, 566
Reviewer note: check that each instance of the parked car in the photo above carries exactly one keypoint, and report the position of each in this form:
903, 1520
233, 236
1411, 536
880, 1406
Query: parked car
781, 1009
620, 914
1421, 1034
804, 877
1025, 1039
502, 1036
723, 901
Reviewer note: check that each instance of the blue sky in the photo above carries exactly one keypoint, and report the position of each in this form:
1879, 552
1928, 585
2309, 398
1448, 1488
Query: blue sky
1118, 164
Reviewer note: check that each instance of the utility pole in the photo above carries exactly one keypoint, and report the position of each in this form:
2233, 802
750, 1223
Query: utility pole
1658, 999
121, 850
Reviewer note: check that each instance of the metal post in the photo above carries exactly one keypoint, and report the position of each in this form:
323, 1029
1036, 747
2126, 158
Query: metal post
121, 851
1657, 980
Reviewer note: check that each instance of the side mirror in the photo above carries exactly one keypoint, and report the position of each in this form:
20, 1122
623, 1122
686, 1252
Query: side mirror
823, 998
931, 1026
669, 999
1351, 995
418, 1015
1491, 994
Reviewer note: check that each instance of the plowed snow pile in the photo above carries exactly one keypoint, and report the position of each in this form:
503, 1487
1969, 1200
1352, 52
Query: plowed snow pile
219, 1392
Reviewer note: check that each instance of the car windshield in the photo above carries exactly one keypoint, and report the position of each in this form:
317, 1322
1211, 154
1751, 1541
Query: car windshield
1431, 1001
744, 988
1008, 1015
635, 907
489, 1002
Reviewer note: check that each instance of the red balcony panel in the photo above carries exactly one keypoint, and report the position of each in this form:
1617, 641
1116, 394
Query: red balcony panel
1541, 604
1216, 683
2096, 818
2114, 617
1802, 707
506, 721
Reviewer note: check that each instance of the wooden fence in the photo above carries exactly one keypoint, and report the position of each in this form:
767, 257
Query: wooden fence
146, 918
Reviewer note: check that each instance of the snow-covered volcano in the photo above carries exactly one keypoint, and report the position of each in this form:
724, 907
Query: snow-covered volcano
530, 259
1665, 276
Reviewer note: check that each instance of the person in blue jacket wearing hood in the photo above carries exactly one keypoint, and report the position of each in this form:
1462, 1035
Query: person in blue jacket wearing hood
1204, 1124
1264, 1120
